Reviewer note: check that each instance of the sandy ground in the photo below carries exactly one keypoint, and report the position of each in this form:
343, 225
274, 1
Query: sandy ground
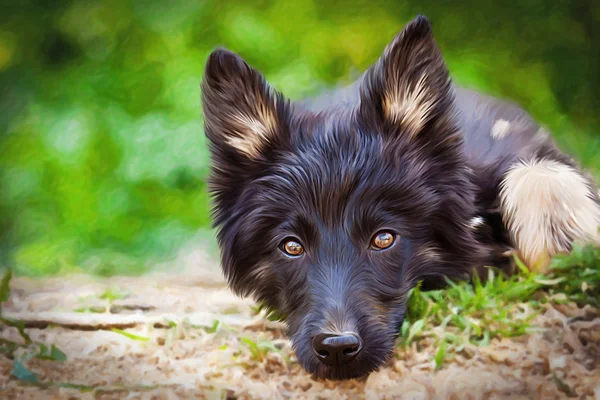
186, 357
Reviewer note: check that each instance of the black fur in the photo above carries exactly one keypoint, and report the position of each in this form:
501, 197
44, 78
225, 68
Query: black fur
333, 171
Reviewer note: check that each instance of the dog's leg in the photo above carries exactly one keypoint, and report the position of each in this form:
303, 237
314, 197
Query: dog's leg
547, 206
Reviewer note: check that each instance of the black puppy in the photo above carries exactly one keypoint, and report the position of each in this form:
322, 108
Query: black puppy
331, 210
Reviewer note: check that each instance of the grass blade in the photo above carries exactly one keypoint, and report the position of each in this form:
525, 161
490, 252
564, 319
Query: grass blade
130, 335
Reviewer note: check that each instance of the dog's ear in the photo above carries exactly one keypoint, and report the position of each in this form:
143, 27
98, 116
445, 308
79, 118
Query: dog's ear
408, 89
243, 115
245, 120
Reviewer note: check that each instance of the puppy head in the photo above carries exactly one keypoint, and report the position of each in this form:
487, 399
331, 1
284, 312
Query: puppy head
331, 218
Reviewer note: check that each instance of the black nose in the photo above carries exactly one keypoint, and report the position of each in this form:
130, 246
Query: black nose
335, 349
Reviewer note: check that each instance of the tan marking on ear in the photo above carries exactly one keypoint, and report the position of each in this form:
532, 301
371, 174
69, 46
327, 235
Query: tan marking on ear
410, 108
547, 206
253, 133
500, 129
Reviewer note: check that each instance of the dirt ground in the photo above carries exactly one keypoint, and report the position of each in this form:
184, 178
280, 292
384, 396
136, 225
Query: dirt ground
184, 354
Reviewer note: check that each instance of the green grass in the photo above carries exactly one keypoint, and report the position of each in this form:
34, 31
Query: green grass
112, 294
130, 335
503, 306
470, 314
579, 274
258, 350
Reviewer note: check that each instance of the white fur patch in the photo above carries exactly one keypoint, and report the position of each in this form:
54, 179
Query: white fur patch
500, 129
475, 222
410, 108
253, 133
547, 206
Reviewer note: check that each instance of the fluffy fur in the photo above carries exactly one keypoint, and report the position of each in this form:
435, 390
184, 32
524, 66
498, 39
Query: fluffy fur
451, 173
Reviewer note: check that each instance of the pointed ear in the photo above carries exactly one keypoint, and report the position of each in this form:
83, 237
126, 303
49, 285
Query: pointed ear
408, 88
243, 115
245, 121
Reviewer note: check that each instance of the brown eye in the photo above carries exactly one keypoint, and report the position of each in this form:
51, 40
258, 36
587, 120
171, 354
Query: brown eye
292, 248
382, 240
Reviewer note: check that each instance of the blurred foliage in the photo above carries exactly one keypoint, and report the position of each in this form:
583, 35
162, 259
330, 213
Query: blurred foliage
102, 154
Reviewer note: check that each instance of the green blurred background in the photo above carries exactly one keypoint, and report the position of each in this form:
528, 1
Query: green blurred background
102, 153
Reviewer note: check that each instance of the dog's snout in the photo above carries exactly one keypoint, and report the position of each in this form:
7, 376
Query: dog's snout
337, 349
